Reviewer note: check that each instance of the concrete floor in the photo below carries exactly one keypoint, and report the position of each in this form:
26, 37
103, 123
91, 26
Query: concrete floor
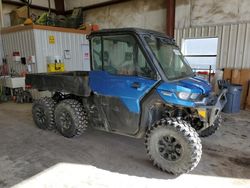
30, 157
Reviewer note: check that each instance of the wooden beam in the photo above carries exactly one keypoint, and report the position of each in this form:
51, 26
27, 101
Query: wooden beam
59, 5
61, 8
16, 3
170, 23
99, 5
1, 14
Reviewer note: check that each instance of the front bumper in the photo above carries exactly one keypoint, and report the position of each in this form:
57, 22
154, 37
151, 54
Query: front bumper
209, 108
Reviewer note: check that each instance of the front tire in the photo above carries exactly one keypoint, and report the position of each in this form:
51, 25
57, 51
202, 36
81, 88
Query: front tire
173, 146
70, 118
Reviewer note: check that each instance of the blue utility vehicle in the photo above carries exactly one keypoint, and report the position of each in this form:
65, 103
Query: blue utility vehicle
140, 86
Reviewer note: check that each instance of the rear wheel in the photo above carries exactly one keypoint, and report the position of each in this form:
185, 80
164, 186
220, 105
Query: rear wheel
70, 118
43, 113
173, 146
212, 129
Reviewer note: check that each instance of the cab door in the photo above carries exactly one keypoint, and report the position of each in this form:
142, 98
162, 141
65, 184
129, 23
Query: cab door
120, 78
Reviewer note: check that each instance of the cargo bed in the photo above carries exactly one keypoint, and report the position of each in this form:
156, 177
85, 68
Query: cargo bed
75, 82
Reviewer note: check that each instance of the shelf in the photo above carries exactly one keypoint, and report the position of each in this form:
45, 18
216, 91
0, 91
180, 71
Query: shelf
22, 27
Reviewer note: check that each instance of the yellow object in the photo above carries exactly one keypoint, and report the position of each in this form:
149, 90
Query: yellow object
52, 39
202, 113
28, 21
55, 67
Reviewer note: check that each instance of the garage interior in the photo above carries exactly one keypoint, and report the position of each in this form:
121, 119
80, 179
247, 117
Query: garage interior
52, 36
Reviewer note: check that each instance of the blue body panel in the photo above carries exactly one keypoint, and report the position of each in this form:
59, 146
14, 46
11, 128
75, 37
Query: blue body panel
190, 85
119, 86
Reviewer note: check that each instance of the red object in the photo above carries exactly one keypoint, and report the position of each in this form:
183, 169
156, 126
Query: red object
4, 69
28, 86
16, 53
203, 72
95, 27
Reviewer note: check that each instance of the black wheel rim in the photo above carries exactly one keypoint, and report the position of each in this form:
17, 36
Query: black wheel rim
40, 115
65, 121
169, 148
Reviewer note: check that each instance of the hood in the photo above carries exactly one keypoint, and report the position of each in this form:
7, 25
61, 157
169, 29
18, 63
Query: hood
196, 83
169, 90
191, 85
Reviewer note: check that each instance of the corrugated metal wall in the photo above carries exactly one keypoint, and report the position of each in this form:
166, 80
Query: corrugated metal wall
22, 42
1, 50
63, 41
36, 43
233, 43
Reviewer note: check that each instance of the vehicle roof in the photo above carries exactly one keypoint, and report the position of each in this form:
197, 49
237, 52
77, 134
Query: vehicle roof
139, 31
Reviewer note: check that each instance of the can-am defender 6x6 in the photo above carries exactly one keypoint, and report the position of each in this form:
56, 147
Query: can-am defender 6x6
140, 86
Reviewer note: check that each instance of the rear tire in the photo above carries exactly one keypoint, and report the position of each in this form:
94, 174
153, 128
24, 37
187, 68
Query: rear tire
212, 129
70, 118
43, 113
173, 146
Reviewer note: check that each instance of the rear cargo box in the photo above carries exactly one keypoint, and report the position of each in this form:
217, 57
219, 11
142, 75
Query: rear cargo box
68, 82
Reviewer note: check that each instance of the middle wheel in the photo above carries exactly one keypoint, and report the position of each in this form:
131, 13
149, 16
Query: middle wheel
70, 118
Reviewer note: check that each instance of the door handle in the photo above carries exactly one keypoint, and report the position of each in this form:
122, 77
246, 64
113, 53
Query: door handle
136, 85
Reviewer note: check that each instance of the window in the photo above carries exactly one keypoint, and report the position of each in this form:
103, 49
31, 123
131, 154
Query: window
97, 53
201, 53
122, 56
169, 57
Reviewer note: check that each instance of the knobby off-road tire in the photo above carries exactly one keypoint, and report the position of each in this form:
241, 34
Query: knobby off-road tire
70, 117
43, 113
173, 146
212, 129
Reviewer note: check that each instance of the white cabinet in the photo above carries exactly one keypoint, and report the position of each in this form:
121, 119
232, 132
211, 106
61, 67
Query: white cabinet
15, 82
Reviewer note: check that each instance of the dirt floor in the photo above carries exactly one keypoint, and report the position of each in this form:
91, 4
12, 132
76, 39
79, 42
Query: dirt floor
30, 157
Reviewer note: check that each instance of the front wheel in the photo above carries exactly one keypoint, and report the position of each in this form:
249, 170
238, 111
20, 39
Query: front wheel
173, 146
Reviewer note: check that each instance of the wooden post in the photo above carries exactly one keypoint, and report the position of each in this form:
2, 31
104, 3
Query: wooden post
1, 14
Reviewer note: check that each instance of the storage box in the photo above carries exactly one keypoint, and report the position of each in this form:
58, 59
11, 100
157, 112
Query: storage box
55, 67
15, 82
18, 16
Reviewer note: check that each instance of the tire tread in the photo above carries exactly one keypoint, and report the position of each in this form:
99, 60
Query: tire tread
79, 115
212, 129
49, 104
190, 134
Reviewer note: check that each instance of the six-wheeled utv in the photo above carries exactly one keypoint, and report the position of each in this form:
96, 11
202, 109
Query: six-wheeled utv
140, 86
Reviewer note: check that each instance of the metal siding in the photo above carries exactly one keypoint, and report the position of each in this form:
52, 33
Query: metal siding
218, 33
1, 50
246, 54
63, 41
23, 42
233, 45
240, 44
36, 42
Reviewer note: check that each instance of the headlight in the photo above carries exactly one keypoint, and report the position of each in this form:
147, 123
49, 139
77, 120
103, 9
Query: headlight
187, 96
184, 95
194, 96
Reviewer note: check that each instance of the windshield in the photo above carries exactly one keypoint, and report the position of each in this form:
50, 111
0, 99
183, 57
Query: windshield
170, 58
